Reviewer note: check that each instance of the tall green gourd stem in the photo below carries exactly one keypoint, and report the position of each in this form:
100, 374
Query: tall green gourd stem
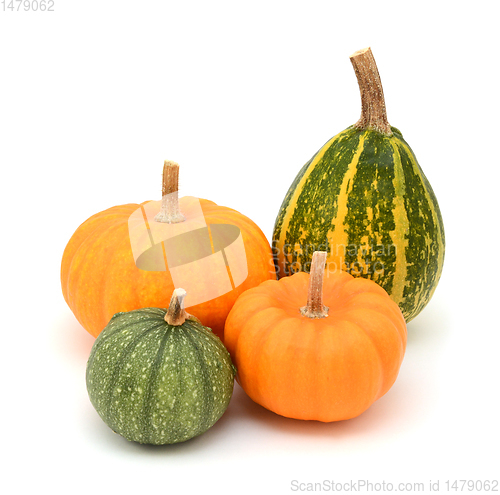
314, 307
373, 111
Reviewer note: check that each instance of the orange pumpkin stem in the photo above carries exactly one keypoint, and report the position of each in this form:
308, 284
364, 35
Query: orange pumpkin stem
170, 211
314, 307
373, 112
176, 314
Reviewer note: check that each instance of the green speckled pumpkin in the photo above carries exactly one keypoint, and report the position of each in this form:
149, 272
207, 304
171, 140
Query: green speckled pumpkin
159, 376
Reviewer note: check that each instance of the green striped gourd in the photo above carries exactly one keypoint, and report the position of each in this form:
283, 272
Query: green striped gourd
159, 376
364, 198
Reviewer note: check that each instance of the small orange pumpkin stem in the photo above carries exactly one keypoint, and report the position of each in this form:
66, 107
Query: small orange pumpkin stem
314, 307
373, 112
176, 314
170, 212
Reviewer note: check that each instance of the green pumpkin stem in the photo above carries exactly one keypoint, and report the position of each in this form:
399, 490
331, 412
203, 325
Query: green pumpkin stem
314, 307
373, 112
176, 314
170, 211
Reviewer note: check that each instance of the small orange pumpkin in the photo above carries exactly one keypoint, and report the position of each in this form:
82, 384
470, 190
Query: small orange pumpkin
324, 363
221, 252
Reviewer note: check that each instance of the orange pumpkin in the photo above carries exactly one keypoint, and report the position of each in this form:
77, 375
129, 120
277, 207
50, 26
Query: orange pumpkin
114, 263
324, 363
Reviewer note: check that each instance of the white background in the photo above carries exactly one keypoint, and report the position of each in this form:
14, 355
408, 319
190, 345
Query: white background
96, 95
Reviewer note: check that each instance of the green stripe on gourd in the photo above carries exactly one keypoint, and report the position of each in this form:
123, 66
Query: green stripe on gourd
365, 200
157, 382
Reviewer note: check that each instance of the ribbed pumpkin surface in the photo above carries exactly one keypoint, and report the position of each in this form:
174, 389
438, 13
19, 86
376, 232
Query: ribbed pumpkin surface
156, 383
100, 278
324, 369
364, 198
